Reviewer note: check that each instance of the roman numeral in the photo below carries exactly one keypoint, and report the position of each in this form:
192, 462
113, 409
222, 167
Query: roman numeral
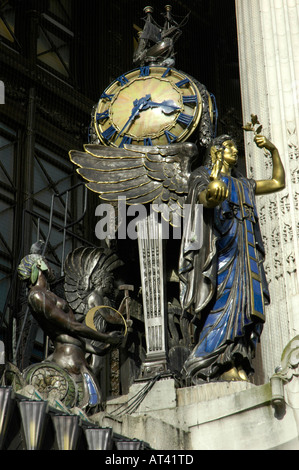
102, 116
109, 133
147, 141
126, 140
122, 80
182, 82
192, 99
144, 71
104, 96
170, 137
184, 119
166, 72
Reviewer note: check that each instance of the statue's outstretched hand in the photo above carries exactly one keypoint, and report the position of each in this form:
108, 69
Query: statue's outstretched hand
262, 142
116, 338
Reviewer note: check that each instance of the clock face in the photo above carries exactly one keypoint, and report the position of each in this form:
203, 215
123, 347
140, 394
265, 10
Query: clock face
148, 106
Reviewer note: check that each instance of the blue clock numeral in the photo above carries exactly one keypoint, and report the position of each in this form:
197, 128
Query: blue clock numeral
147, 141
182, 82
166, 72
126, 140
184, 119
144, 71
104, 96
170, 137
192, 99
102, 116
122, 80
109, 133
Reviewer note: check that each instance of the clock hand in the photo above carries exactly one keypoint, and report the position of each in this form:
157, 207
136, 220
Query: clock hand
139, 105
167, 106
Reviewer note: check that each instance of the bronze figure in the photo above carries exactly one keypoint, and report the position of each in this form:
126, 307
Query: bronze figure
65, 375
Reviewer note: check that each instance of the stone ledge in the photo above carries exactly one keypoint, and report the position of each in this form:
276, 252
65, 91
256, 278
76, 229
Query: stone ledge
215, 416
209, 391
158, 434
236, 401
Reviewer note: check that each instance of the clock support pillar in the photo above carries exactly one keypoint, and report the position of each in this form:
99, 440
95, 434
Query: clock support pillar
150, 245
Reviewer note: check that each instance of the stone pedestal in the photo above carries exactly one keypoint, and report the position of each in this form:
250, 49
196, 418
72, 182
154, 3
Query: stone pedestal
268, 37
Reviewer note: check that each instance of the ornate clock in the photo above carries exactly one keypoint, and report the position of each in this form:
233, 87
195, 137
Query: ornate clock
150, 105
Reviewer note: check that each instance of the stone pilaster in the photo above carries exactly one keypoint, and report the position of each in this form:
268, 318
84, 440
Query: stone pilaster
268, 37
150, 244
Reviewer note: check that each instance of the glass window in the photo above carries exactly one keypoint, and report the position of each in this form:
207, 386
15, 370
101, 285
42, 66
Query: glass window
7, 206
7, 21
62, 10
53, 175
54, 51
56, 36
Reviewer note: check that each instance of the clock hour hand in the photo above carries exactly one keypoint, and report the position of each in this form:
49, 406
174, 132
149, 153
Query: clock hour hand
167, 106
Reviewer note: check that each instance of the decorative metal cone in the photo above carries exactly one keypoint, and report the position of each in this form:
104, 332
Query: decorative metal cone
33, 414
6, 407
67, 431
128, 445
99, 438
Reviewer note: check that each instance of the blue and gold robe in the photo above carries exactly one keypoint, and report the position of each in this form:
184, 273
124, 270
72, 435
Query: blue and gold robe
224, 282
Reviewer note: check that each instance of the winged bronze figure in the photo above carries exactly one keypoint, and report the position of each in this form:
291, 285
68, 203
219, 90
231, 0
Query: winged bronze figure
89, 278
90, 292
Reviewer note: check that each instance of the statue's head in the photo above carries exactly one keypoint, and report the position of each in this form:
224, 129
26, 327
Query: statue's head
30, 267
103, 283
224, 148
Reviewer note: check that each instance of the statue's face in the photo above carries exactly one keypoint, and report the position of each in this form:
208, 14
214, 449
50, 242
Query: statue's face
230, 152
105, 285
108, 285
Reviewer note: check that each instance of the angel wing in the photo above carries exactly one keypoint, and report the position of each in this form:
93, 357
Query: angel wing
141, 174
84, 268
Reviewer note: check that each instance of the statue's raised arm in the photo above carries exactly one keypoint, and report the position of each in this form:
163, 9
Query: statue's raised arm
277, 182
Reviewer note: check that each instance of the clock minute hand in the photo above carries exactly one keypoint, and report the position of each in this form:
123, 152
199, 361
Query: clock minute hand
139, 105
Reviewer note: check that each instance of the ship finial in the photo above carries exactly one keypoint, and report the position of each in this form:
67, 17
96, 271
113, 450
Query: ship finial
156, 44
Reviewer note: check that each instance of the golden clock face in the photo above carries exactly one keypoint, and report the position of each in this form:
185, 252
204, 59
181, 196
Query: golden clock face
148, 106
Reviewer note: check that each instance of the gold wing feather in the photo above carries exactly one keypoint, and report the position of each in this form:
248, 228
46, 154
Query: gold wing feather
141, 174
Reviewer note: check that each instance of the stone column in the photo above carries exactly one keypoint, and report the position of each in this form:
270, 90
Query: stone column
268, 37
